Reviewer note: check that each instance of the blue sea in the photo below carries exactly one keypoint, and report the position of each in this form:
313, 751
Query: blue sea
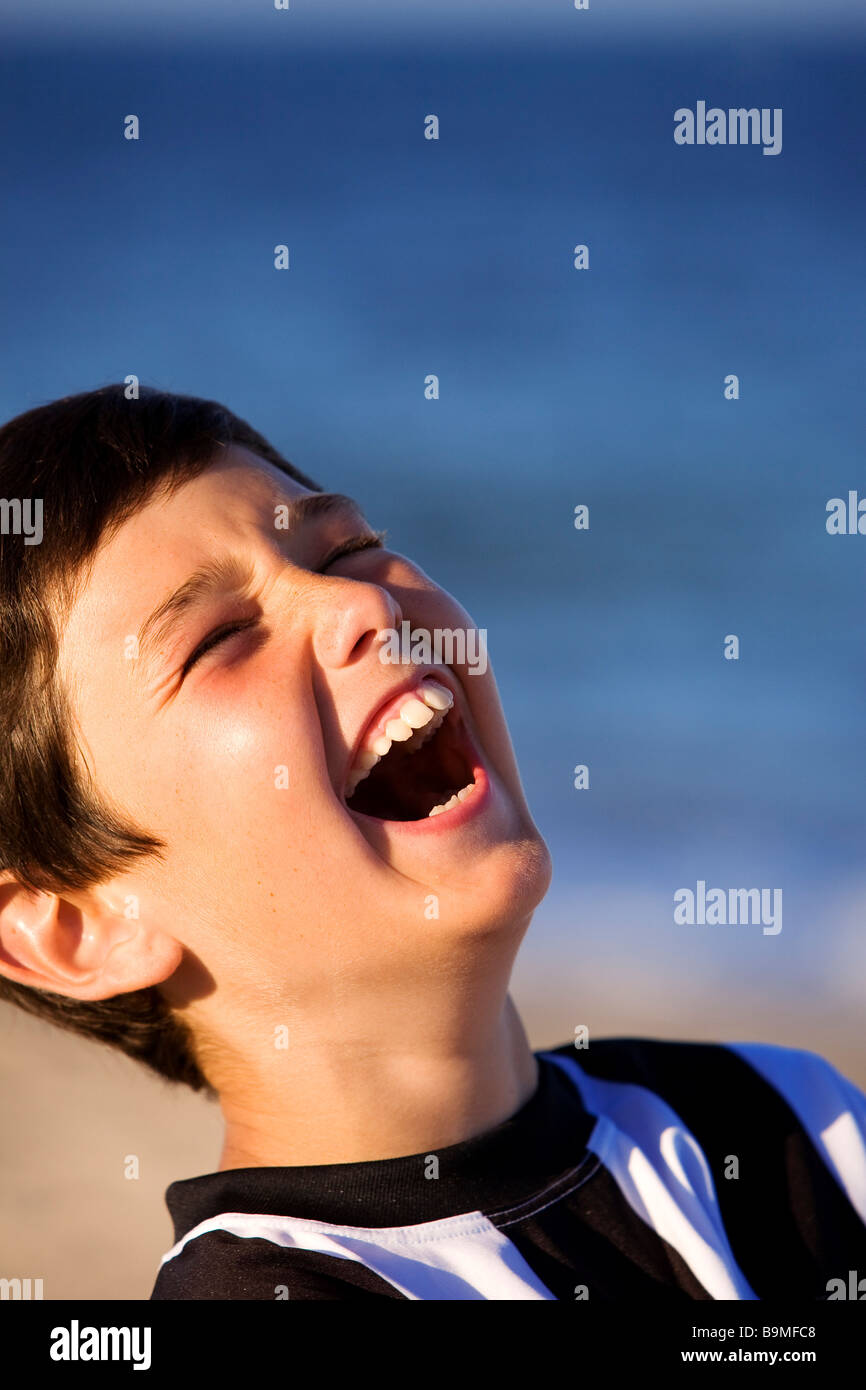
558, 387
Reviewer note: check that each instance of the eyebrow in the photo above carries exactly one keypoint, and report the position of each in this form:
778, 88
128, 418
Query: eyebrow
226, 573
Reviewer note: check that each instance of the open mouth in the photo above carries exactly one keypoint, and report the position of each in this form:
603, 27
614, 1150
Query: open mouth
417, 764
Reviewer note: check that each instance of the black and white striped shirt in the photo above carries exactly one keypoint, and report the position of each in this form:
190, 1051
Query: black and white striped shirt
639, 1168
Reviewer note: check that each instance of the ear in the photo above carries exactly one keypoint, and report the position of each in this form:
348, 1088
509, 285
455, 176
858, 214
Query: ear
80, 945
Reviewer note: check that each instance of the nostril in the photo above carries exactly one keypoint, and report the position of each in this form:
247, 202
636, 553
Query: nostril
362, 646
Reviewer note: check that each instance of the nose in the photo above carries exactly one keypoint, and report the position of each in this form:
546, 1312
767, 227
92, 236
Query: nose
350, 615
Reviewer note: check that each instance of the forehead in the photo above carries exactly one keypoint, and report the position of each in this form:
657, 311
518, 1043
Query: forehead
164, 540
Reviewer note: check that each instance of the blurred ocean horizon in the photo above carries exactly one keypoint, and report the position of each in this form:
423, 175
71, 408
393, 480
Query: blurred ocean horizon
558, 387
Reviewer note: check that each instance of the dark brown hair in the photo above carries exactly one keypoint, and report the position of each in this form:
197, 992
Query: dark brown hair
93, 459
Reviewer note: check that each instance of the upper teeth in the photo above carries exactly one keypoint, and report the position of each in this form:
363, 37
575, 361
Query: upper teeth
422, 709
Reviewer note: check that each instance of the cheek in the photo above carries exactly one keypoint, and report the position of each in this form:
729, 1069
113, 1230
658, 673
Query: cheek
244, 758
429, 606
466, 649
248, 735
423, 601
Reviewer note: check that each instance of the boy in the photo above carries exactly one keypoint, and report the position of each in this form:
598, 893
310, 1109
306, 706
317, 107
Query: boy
238, 845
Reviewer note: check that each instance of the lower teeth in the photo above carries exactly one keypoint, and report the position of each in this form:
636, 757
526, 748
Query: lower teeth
454, 800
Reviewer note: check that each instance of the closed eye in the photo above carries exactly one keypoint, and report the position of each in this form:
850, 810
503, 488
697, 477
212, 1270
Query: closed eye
214, 639
375, 541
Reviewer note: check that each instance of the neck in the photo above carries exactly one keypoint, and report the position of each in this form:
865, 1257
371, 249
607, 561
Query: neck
347, 1102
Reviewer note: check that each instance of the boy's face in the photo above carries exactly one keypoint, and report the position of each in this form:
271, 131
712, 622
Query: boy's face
240, 762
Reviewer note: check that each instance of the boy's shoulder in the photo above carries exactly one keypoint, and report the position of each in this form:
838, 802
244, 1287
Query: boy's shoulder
226, 1265
710, 1078
706, 1076
777, 1135
763, 1101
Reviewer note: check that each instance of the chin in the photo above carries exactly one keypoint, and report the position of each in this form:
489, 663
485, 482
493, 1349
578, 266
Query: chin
506, 890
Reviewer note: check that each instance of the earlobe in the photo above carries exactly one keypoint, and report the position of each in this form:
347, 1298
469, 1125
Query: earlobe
82, 949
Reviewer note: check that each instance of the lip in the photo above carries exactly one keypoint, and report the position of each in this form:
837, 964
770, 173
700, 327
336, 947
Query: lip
464, 811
